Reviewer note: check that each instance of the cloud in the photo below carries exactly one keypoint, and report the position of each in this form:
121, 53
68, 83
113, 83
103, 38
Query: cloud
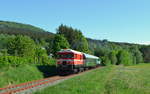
145, 43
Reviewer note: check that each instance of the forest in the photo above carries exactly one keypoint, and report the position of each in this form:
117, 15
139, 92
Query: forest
27, 44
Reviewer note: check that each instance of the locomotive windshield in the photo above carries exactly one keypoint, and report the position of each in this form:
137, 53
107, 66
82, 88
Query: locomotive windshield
65, 55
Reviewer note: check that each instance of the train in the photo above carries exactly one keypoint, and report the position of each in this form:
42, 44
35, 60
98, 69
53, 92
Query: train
71, 61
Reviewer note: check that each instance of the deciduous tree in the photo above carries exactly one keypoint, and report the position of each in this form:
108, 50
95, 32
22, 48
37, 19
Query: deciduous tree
21, 46
59, 43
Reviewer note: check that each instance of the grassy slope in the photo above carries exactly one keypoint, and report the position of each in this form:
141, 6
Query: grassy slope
108, 80
23, 73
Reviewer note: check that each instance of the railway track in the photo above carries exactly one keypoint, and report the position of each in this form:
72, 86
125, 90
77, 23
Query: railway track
32, 86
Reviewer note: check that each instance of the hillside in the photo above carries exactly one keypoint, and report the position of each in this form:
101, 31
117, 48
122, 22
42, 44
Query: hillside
10, 26
107, 80
14, 28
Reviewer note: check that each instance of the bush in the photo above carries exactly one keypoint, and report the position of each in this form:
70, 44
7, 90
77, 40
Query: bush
21, 46
112, 57
105, 60
137, 55
41, 56
124, 57
14, 60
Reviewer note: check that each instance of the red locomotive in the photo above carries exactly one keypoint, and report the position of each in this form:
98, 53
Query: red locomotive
73, 61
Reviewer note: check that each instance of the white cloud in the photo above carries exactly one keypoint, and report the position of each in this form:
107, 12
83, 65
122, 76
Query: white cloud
145, 43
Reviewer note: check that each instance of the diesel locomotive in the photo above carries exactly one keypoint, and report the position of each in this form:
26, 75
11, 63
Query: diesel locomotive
71, 61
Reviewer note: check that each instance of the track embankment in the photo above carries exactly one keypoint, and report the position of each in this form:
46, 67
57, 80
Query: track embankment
32, 86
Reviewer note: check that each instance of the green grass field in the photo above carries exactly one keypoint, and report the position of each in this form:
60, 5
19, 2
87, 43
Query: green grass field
107, 80
24, 73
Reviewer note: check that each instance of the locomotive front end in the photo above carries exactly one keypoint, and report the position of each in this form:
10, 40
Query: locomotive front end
65, 62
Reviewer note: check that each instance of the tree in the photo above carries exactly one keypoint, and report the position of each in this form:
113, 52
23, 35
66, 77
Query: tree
112, 57
59, 43
105, 60
137, 55
124, 57
4, 38
81, 45
101, 52
21, 46
75, 38
146, 53
41, 56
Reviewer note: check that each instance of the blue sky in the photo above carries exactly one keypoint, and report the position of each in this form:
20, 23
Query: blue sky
115, 20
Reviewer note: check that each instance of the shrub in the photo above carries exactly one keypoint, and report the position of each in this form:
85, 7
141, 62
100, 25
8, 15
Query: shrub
105, 60
124, 57
21, 46
14, 61
112, 57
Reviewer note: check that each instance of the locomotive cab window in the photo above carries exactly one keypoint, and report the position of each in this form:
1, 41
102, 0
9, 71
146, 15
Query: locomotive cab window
66, 55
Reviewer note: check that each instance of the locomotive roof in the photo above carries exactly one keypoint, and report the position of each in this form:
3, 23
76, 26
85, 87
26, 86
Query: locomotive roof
90, 56
70, 50
73, 51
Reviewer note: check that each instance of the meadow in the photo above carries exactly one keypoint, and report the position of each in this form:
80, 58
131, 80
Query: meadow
106, 80
10, 75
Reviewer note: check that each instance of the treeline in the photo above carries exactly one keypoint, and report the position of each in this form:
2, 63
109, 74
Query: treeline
27, 44
16, 50
109, 52
118, 53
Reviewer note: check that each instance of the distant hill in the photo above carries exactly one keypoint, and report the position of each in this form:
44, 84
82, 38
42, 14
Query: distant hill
14, 28
6, 25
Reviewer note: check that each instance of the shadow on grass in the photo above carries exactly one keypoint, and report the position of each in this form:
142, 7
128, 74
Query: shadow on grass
48, 70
